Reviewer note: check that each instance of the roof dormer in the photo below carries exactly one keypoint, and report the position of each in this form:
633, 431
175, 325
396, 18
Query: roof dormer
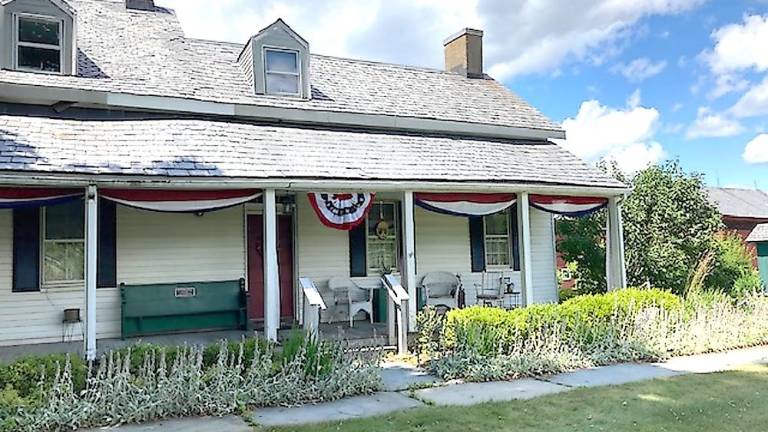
38, 36
276, 62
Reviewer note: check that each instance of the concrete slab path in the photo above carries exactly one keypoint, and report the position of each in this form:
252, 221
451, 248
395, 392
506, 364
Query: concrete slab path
190, 424
345, 409
475, 393
403, 376
611, 375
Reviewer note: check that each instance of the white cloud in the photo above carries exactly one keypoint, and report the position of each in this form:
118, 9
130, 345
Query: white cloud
756, 150
725, 84
754, 102
709, 125
625, 135
635, 99
639, 69
740, 47
522, 36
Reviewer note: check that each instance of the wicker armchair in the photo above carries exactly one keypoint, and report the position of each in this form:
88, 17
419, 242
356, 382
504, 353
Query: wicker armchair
441, 289
347, 292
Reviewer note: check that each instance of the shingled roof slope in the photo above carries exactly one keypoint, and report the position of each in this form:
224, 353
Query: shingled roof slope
214, 148
146, 53
745, 203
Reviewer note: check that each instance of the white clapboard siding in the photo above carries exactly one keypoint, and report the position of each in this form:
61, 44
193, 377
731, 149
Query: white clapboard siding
37, 317
543, 257
151, 248
157, 247
321, 252
442, 242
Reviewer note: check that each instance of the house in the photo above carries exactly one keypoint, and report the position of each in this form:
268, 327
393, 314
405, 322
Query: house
158, 183
742, 209
758, 239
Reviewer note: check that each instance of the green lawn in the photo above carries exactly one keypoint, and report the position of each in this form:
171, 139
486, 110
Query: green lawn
732, 401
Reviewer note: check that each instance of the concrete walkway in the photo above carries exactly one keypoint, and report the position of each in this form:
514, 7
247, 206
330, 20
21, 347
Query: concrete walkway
404, 390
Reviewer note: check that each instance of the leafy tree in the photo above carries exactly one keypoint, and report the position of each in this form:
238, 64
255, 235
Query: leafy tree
669, 224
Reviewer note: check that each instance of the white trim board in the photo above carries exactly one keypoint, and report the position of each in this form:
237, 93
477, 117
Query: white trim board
25, 93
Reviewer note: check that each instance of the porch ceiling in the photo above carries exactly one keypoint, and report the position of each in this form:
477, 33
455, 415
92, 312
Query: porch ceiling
207, 148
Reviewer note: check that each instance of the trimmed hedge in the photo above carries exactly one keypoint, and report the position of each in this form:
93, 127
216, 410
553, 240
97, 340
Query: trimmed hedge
501, 328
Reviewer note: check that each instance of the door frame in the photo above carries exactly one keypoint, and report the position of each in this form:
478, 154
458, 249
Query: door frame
253, 209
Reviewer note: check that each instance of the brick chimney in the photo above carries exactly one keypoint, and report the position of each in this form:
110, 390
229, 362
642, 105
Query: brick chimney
464, 53
143, 5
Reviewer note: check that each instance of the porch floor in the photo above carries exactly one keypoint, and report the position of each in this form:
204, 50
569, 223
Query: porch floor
361, 335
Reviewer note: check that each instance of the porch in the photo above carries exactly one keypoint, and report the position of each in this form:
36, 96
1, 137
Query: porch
261, 249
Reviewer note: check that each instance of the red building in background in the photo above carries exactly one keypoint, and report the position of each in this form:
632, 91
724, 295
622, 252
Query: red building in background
742, 209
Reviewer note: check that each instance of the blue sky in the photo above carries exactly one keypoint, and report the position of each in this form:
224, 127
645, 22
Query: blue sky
638, 81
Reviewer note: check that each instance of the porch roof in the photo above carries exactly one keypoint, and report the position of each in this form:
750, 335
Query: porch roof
210, 148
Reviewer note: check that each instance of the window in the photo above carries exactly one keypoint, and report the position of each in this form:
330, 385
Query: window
382, 232
497, 237
281, 72
63, 243
38, 43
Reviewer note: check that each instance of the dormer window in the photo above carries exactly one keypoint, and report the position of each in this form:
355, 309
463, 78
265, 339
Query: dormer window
38, 43
282, 72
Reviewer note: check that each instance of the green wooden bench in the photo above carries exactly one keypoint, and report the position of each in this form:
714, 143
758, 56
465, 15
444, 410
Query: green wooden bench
182, 307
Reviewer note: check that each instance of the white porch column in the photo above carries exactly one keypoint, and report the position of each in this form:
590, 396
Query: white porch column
271, 275
615, 269
91, 253
524, 229
409, 252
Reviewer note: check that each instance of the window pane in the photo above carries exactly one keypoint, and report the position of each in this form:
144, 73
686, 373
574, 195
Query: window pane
63, 261
65, 221
43, 59
382, 237
497, 224
497, 251
282, 61
38, 31
278, 83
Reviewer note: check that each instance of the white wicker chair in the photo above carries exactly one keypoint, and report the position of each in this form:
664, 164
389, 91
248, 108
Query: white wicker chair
441, 289
346, 291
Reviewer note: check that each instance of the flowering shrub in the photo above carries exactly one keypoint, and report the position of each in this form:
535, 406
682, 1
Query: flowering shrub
180, 381
481, 344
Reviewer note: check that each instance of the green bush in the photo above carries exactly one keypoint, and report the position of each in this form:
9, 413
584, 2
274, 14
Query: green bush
28, 375
732, 263
481, 343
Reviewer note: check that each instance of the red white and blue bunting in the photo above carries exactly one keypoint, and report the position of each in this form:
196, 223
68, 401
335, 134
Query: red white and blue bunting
180, 201
465, 204
17, 197
568, 205
342, 211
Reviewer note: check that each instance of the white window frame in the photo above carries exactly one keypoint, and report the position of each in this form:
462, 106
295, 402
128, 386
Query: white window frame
17, 43
375, 271
298, 73
43, 242
508, 237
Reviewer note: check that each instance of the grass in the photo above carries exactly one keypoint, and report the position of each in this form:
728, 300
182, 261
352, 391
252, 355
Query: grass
729, 401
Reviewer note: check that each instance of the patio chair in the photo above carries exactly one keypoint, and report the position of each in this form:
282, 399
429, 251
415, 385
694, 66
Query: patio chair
346, 291
491, 290
441, 289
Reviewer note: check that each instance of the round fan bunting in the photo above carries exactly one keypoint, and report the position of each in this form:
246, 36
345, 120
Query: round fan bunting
342, 211
568, 205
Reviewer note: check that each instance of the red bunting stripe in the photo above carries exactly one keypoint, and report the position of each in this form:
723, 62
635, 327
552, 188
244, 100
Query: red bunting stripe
465, 204
573, 206
180, 201
18, 197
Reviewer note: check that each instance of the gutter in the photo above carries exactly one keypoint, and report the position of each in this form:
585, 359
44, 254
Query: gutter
149, 182
26, 94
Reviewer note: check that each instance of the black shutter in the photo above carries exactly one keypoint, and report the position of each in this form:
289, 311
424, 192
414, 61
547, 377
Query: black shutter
477, 243
515, 238
358, 267
26, 250
106, 274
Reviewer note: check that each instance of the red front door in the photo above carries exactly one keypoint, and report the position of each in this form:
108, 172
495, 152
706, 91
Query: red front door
256, 267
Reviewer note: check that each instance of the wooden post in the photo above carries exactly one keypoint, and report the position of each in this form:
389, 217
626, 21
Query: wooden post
271, 275
91, 254
524, 228
616, 274
409, 252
